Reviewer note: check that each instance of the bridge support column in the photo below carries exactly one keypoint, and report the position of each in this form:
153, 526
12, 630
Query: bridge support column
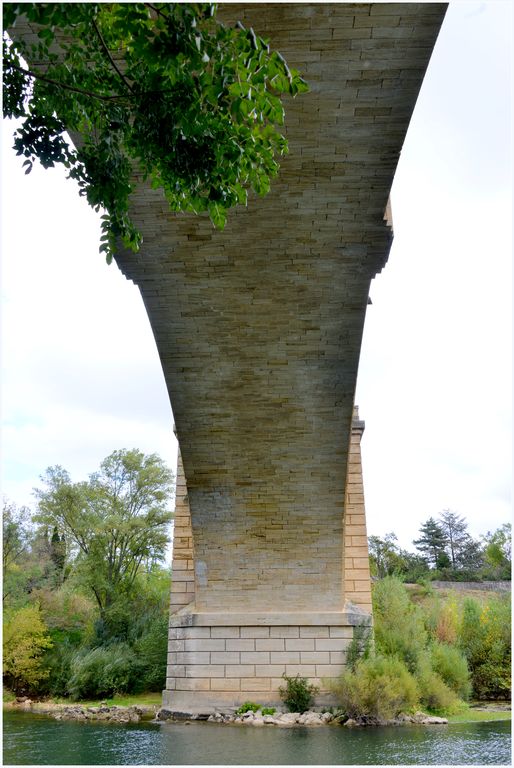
219, 660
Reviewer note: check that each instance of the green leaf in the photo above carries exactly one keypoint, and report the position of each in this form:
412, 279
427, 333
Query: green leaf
193, 105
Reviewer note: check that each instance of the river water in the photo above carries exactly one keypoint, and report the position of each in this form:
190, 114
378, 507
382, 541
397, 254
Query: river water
39, 740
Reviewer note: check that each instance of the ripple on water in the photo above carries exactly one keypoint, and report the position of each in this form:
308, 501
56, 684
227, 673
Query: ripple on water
32, 739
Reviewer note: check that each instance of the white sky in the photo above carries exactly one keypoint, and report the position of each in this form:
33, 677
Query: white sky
81, 375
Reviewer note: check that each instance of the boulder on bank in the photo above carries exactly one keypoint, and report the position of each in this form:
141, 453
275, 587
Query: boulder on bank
131, 714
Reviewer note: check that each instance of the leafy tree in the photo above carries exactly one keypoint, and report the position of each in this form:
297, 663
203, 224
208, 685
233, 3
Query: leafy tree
25, 639
114, 522
384, 559
25, 561
457, 536
159, 91
470, 558
497, 552
58, 552
14, 534
432, 542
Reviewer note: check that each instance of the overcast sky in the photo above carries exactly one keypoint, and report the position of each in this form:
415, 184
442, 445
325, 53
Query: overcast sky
81, 375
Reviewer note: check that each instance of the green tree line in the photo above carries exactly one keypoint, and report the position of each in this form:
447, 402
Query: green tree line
86, 594
446, 551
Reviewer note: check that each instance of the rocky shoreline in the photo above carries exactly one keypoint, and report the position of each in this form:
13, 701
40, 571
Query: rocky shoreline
136, 713
114, 714
309, 718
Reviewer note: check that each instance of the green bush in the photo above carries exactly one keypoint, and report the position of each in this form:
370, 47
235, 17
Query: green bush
379, 687
399, 624
298, 694
434, 693
58, 662
152, 651
104, 671
359, 647
451, 666
442, 619
248, 706
268, 710
486, 642
25, 641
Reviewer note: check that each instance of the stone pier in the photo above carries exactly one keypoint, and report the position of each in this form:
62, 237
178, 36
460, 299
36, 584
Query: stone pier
223, 658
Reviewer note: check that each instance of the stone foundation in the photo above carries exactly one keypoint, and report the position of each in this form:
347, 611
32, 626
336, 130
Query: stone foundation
222, 660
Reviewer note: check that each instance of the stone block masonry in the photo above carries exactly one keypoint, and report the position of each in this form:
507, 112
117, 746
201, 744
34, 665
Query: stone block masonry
183, 580
356, 575
217, 661
224, 659
356, 585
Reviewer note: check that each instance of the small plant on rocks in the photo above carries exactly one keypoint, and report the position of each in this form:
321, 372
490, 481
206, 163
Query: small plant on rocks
298, 693
248, 706
268, 710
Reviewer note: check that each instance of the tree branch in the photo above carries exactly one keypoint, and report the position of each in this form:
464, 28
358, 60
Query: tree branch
108, 54
157, 10
38, 76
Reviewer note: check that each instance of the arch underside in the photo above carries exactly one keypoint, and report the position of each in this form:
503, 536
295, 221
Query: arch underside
259, 327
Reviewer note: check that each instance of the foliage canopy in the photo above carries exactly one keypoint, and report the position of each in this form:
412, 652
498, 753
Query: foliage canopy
159, 91
114, 522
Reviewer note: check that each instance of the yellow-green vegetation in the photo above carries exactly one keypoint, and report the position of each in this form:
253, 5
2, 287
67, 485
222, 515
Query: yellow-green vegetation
379, 687
432, 656
25, 640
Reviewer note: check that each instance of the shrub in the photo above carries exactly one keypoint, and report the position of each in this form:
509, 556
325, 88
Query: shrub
58, 666
25, 640
359, 647
442, 619
486, 642
268, 710
451, 666
379, 687
152, 651
248, 706
435, 694
298, 693
104, 671
399, 626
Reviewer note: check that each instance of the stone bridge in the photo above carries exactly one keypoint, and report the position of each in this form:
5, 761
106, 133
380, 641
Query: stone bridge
259, 331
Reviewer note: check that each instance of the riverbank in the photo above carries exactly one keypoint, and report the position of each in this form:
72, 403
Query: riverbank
113, 713
135, 713
146, 707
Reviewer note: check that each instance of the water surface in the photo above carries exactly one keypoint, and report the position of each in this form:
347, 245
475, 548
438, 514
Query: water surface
38, 740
